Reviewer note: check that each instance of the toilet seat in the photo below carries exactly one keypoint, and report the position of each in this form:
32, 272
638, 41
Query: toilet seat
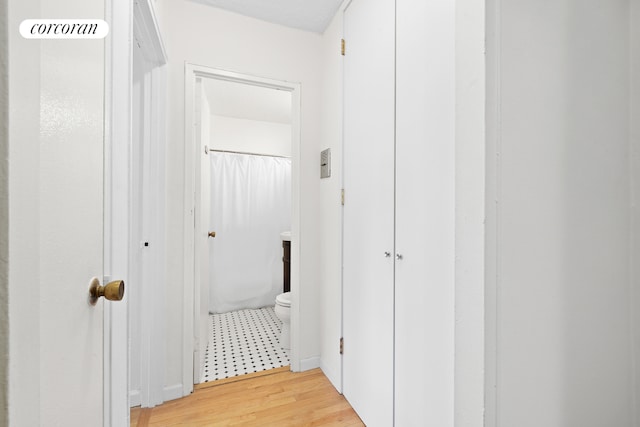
284, 299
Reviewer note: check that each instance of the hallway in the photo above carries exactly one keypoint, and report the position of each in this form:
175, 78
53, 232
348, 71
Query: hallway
280, 399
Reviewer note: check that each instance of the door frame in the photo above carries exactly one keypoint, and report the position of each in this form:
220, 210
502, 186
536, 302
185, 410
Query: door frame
148, 45
116, 221
191, 288
117, 208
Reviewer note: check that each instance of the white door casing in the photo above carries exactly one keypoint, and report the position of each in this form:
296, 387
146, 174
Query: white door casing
203, 242
368, 263
116, 209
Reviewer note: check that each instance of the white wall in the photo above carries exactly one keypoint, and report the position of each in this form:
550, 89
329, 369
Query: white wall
250, 136
330, 196
563, 313
203, 35
635, 194
470, 214
4, 214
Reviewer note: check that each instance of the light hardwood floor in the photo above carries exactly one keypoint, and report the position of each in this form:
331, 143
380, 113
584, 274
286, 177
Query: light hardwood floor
281, 398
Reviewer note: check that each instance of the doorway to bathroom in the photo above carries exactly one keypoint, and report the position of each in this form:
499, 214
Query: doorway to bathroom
249, 209
246, 135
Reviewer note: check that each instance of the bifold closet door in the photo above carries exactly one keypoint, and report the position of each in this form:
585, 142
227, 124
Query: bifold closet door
425, 214
368, 261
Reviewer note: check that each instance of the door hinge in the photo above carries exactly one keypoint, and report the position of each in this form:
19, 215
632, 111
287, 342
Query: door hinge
342, 197
341, 345
342, 46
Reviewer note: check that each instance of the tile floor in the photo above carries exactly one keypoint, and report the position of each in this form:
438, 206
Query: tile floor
242, 342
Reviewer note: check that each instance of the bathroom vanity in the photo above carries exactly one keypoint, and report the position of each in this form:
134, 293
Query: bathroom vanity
286, 260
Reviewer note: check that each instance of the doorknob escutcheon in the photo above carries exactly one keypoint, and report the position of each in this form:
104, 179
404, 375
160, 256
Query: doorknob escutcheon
113, 291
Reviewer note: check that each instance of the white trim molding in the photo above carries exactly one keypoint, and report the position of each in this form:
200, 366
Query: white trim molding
310, 363
172, 392
118, 140
134, 398
147, 33
118, 66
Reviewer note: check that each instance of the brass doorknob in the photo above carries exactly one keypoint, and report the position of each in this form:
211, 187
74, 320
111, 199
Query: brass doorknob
212, 234
113, 291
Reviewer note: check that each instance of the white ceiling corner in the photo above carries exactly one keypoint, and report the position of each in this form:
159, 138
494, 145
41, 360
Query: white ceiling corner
308, 15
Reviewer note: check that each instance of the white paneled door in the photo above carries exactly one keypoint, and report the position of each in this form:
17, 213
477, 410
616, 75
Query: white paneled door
369, 210
425, 213
71, 223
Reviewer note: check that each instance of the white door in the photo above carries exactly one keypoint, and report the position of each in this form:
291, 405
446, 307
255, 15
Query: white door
369, 210
74, 205
203, 242
425, 214
71, 223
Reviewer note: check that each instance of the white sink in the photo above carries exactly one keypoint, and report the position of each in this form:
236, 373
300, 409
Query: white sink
286, 236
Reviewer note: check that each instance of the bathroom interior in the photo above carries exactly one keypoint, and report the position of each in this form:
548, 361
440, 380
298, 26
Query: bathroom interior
246, 133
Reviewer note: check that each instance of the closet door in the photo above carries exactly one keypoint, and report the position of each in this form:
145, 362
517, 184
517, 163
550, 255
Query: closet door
425, 215
369, 210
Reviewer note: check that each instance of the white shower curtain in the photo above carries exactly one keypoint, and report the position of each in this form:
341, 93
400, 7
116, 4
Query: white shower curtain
250, 207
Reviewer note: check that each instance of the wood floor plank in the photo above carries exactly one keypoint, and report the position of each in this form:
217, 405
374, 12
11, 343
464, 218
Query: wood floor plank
241, 377
281, 399
140, 417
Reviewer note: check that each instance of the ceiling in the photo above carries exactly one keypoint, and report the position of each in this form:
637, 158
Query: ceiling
243, 101
308, 15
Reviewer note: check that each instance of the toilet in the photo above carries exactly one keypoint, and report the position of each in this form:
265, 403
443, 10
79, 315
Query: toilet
283, 311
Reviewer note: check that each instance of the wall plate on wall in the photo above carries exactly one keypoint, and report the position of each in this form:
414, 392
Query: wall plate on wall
325, 163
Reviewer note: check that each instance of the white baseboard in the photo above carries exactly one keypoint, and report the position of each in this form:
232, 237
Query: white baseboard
332, 375
172, 392
310, 363
134, 398
168, 393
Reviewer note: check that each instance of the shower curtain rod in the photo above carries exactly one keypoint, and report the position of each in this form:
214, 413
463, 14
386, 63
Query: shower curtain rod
246, 152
